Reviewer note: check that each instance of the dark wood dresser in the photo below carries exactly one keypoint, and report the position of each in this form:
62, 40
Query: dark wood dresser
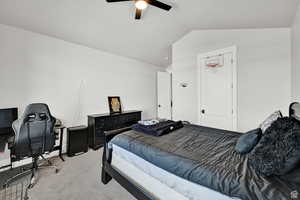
99, 123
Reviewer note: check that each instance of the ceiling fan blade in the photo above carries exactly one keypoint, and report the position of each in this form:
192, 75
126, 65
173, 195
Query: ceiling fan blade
112, 1
160, 5
138, 14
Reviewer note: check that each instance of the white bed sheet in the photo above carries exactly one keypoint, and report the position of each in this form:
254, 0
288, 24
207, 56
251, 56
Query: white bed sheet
161, 184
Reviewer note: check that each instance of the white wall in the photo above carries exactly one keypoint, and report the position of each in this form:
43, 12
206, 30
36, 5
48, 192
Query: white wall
73, 80
296, 57
264, 71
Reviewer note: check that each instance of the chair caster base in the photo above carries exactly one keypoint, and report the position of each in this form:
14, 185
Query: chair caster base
32, 184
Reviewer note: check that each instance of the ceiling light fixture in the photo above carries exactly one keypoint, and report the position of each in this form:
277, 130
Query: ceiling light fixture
141, 4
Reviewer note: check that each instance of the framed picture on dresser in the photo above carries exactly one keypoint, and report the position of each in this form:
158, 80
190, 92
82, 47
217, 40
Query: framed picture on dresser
114, 104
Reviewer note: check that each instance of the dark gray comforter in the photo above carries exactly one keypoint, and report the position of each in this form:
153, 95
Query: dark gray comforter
207, 157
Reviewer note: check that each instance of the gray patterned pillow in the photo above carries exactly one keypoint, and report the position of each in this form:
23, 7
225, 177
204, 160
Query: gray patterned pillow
268, 122
278, 151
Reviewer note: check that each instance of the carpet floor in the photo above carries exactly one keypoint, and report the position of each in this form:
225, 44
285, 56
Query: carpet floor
79, 178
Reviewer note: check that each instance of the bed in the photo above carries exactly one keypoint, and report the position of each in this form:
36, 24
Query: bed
193, 163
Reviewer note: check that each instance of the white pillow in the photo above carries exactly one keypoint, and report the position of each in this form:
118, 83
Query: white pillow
268, 122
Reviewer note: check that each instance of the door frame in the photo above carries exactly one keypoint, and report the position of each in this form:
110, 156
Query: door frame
233, 50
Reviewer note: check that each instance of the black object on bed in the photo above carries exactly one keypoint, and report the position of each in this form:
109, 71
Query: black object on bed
294, 110
159, 129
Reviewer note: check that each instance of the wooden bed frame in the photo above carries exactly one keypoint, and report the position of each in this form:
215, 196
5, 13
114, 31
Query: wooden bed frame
109, 173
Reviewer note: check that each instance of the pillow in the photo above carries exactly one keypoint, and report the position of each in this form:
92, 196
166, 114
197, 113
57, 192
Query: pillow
267, 123
278, 151
248, 141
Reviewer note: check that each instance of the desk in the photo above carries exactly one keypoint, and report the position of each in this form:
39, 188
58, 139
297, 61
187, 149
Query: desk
3, 141
4, 152
61, 138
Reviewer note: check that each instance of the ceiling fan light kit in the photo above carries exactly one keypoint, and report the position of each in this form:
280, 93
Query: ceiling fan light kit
143, 4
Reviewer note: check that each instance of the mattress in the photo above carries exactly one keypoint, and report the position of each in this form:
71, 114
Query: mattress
159, 183
206, 157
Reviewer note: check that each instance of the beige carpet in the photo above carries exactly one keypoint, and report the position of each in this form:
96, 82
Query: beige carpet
78, 179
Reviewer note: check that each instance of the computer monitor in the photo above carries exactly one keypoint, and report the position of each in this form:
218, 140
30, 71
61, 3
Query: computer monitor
7, 117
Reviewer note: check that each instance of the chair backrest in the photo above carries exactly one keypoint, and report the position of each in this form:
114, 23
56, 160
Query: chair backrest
34, 132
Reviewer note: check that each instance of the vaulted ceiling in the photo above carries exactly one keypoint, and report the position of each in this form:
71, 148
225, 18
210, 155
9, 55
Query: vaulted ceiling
112, 28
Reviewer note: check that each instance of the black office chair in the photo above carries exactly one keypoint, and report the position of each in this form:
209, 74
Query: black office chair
34, 136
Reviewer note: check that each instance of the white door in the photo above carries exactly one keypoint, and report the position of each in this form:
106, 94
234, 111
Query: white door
164, 95
217, 86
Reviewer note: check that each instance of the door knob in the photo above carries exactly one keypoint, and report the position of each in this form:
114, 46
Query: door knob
203, 111
159, 106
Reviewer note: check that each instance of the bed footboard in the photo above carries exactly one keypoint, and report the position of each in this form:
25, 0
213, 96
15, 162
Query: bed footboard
107, 153
109, 173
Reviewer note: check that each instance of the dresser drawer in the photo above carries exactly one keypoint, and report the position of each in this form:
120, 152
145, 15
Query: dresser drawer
98, 124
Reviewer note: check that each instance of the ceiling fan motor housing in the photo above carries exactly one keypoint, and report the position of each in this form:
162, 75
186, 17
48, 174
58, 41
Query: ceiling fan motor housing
143, 4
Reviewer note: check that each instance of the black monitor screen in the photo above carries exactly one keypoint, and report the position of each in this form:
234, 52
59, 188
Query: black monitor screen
7, 117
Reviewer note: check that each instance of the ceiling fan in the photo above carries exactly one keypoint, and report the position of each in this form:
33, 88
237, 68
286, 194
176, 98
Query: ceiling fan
143, 4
